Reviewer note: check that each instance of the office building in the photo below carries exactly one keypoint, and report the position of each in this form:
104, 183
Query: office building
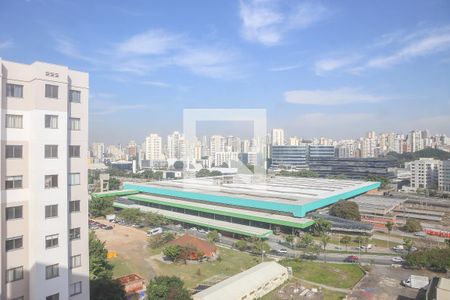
317, 152
43, 222
175, 146
289, 156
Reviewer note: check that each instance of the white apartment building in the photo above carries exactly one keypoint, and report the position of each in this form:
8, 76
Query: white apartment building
98, 151
44, 195
175, 146
153, 147
425, 173
444, 177
216, 144
277, 137
225, 157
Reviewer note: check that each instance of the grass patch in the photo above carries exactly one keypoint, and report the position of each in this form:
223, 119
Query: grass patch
121, 267
331, 274
231, 262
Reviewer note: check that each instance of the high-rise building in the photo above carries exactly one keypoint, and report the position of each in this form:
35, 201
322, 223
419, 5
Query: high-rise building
277, 137
98, 151
153, 147
175, 146
44, 212
425, 173
216, 144
444, 177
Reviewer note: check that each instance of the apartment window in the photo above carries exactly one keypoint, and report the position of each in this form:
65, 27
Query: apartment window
14, 212
74, 233
14, 274
74, 96
14, 243
75, 261
14, 90
52, 271
51, 151
51, 181
51, 211
74, 151
75, 288
14, 121
52, 297
13, 151
51, 241
13, 182
74, 124
74, 179
74, 206
51, 121
51, 91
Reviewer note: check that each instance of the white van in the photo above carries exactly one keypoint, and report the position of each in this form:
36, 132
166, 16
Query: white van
154, 231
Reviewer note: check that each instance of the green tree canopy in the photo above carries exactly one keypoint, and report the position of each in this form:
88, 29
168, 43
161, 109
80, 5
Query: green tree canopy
321, 226
130, 215
172, 252
106, 289
412, 225
167, 288
241, 245
178, 165
437, 259
346, 209
213, 236
306, 240
101, 206
99, 267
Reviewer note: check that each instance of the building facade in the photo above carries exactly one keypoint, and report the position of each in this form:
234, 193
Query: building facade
44, 200
425, 173
153, 147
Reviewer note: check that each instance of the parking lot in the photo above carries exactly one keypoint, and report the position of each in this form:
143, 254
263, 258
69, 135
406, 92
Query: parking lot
383, 282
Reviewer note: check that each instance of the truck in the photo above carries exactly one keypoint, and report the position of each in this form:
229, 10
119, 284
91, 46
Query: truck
416, 281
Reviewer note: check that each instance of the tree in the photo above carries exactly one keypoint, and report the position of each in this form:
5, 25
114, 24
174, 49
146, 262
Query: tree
154, 219
203, 173
216, 173
102, 286
389, 226
114, 184
447, 242
436, 259
130, 215
172, 252
106, 289
101, 206
167, 288
306, 241
346, 210
159, 240
213, 236
260, 247
178, 165
321, 226
99, 267
408, 243
290, 239
384, 182
346, 240
412, 225
325, 239
241, 245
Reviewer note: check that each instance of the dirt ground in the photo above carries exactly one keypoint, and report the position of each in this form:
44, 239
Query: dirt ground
129, 243
383, 283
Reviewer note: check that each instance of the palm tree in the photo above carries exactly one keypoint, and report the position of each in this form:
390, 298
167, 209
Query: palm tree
325, 238
389, 225
346, 240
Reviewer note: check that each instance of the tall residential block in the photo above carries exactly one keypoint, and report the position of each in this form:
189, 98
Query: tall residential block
425, 173
44, 195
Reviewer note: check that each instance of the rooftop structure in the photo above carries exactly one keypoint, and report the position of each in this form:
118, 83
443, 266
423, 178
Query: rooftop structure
207, 249
250, 284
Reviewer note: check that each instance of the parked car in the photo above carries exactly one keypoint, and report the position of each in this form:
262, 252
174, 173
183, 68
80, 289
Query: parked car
282, 251
398, 248
397, 259
154, 231
351, 259
193, 228
202, 231
420, 233
309, 255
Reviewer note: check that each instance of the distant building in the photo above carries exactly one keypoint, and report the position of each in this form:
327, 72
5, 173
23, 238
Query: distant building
289, 156
175, 146
228, 158
425, 173
278, 137
317, 152
444, 177
153, 147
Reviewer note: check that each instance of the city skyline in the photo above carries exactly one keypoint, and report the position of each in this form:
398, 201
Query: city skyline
248, 54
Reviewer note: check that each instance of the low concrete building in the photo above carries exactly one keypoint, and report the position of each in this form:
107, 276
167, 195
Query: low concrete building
253, 283
133, 285
439, 289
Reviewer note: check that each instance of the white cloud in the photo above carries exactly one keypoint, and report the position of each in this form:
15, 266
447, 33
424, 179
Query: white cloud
431, 42
284, 68
389, 50
115, 108
156, 83
331, 97
331, 64
6, 44
153, 41
264, 22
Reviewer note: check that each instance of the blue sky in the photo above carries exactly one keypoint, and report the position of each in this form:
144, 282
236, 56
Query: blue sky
320, 68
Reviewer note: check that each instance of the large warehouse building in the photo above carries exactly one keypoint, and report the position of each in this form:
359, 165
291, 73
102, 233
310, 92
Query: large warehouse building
240, 204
